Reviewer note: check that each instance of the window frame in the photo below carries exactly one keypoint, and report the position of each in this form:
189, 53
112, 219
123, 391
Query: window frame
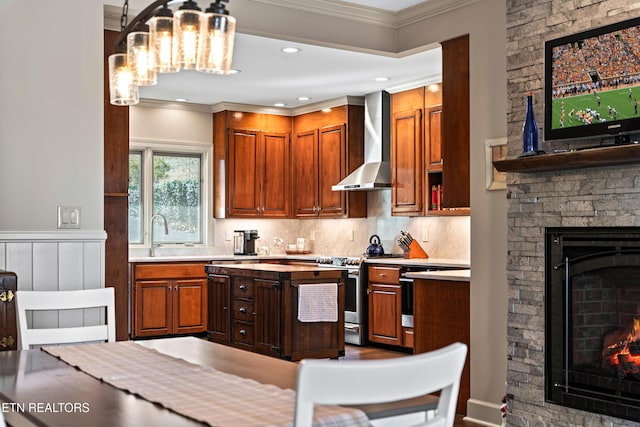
167, 147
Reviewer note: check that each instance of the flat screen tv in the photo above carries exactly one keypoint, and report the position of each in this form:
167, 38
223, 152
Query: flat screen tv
592, 83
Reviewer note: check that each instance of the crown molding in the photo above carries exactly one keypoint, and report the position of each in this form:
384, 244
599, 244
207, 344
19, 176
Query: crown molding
354, 12
309, 108
182, 106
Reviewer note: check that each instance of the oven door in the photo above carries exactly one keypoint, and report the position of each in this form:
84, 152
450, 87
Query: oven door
353, 309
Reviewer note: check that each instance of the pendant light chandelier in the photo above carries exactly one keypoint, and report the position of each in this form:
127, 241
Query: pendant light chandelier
160, 41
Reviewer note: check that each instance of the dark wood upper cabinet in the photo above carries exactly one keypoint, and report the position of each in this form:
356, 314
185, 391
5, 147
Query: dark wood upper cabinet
455, 122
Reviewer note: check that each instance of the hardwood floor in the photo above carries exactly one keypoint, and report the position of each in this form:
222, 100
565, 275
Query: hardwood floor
354, 352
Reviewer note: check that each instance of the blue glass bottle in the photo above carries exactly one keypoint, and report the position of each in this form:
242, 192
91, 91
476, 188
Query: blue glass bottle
529, 129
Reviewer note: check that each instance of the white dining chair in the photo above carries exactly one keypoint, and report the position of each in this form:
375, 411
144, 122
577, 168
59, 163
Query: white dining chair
356, 382
64, 300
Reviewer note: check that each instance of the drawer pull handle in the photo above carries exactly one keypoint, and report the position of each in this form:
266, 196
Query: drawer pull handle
243, 287
6, 296
243, 332
242, 310
7, 342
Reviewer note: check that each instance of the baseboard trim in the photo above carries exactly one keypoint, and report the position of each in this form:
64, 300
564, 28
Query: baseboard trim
484, 413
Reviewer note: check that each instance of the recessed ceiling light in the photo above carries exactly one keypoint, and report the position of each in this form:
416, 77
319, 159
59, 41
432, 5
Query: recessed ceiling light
303, 98
381, 79
181, 99
279, 104
290, 49
233, 71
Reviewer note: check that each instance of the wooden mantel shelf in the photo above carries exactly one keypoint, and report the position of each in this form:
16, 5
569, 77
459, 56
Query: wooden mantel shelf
592, 157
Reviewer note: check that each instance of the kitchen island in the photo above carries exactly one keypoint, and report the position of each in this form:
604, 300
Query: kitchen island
286, 311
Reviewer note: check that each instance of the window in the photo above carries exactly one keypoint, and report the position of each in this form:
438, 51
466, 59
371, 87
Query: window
167, 183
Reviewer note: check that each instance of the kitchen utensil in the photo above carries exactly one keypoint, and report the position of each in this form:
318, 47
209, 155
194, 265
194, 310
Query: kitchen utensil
375, 247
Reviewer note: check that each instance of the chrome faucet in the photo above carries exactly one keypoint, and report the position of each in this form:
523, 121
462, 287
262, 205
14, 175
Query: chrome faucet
152, 251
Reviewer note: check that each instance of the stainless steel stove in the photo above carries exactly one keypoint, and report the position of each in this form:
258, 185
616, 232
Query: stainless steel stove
354, 294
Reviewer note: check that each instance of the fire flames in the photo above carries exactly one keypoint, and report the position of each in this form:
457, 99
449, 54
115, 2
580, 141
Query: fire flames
622, 350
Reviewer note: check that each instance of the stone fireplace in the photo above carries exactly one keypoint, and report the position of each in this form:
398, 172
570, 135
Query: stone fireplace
593, 196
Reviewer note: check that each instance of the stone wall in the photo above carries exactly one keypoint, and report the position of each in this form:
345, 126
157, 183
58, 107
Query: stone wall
598, 196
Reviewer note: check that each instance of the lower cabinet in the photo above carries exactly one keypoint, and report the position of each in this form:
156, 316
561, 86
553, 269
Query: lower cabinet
168, 299
385, 307
260, 314
444, 318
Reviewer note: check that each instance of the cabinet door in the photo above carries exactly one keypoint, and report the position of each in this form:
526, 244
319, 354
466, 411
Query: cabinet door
332, 167
218, 308
433, 141
268, 317
407, 171
244, 190
274, 174
154, 308
385, 313
305, 174
189, 306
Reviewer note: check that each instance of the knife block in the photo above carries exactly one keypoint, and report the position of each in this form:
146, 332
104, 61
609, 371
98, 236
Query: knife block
415, 251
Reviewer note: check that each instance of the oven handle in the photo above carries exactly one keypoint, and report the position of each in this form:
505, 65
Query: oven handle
352, 327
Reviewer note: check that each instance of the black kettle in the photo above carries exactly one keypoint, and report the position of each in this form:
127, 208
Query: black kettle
375, 248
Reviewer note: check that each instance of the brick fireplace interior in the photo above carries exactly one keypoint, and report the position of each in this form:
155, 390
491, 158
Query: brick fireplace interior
594, 196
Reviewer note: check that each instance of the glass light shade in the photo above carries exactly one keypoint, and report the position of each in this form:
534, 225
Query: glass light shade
215, 49
122, 91
140, 59
161, 44
186, 33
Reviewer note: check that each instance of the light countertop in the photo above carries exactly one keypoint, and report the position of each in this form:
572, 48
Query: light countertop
423, 262
452, 275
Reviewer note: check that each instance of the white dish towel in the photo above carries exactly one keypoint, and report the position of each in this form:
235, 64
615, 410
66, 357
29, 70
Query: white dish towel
318, 302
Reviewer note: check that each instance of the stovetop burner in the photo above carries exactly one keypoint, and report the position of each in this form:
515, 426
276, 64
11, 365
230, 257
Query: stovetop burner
336, 261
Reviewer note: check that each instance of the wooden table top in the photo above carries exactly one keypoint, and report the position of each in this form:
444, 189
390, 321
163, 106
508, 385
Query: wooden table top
38, 389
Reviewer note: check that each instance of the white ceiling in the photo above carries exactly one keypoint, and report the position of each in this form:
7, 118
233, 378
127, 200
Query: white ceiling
268, 76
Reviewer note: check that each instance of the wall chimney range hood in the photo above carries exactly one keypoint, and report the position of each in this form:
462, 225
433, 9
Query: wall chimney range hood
375, 173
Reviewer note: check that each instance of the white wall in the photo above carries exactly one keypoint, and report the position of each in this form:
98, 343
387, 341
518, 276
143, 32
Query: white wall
51, 112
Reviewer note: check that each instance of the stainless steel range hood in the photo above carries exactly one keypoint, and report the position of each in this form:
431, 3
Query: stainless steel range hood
375, 173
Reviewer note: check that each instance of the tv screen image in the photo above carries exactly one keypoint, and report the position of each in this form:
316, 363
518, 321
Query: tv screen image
592, 82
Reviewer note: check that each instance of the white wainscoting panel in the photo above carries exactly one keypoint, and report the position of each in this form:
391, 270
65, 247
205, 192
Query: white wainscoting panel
52, 261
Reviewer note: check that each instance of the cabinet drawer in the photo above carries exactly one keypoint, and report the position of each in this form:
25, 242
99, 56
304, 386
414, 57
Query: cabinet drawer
170, 271
243, 310
407, 337
243, 333
242, 288
379, 274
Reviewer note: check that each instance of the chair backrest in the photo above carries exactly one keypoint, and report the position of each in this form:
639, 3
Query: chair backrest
354, 382
65, 300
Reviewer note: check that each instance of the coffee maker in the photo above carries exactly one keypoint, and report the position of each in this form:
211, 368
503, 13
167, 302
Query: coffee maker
244, 242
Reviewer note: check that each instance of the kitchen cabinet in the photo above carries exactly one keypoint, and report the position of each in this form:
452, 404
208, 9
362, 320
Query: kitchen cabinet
251, 165
407, 158
430, 140
259, 169
327, 146
442, 317
255, 307
168, 299
385, 305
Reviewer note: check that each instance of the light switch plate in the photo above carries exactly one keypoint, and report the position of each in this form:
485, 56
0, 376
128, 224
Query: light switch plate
68, 216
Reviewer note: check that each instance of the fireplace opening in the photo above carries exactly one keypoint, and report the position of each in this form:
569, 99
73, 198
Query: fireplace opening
592, 319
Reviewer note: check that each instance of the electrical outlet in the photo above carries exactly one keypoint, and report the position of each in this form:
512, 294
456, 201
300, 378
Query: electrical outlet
425, 235
352, 235
68, 216
228, 236
312, 235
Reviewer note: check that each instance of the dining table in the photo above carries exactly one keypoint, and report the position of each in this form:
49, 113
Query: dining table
39, 388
